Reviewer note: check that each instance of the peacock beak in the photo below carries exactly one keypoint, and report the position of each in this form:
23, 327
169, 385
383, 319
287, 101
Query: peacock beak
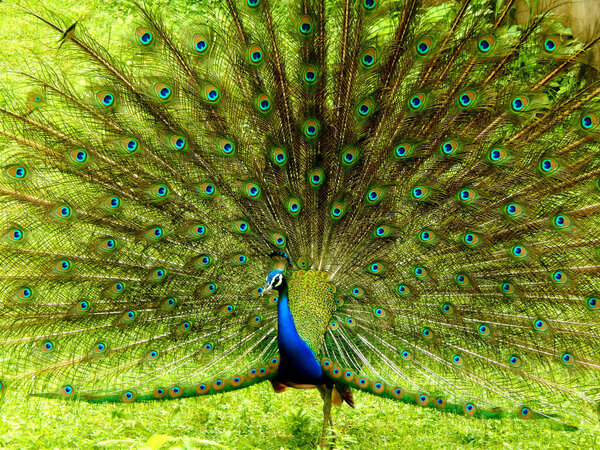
266, 288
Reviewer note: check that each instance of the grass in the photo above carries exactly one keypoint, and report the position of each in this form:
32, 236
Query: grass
257, 418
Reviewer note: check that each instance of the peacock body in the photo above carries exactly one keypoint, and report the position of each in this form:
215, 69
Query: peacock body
419, 184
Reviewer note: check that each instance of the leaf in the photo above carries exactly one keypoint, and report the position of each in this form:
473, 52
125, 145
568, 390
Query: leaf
156, 441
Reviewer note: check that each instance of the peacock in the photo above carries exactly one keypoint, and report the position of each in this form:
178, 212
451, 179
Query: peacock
396, 197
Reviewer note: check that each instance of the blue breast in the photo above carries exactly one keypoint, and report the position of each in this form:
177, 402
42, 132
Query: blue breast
298, 363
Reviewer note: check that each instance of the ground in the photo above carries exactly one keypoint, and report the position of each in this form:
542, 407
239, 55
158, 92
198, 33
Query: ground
256, 418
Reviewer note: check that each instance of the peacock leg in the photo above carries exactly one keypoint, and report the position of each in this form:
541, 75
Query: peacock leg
326, 394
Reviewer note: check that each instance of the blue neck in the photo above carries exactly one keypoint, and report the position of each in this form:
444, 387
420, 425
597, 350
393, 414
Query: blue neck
298, 362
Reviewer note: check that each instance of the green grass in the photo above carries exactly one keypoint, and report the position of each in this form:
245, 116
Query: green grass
259, 418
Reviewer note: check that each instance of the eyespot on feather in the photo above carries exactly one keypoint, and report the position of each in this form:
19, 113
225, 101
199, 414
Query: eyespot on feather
369, 5
79, 157
449, 148
160, 191
106, 99
420, 192
178, 142
255, 55
263, 104
589, 122
337, 211
402, 151
163, 91
365, 108
423, 46
519, 103
293, 206
144, 36
199, 44
226, 147
311, 129
310, 74
550, 44
130, 145
211, 93
349, 157
305, 26
497, 155
128, 397
316, 177
369, 57
486, 44
416, 102
252, 191
17, 172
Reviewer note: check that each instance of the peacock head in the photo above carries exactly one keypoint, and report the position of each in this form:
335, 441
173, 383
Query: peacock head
275, 280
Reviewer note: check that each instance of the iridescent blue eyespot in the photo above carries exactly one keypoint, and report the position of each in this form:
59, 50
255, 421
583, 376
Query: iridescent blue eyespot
401, 151
200, 44
227, 147
483, 330
550, 44
517, 104
559, 277
592, 303
566, 358
164, 92
108, 100
369, 4
146, 38
514, 361
540, 325
415, 102
484, 45
16, 234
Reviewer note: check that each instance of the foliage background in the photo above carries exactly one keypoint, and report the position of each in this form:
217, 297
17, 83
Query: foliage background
256, 417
